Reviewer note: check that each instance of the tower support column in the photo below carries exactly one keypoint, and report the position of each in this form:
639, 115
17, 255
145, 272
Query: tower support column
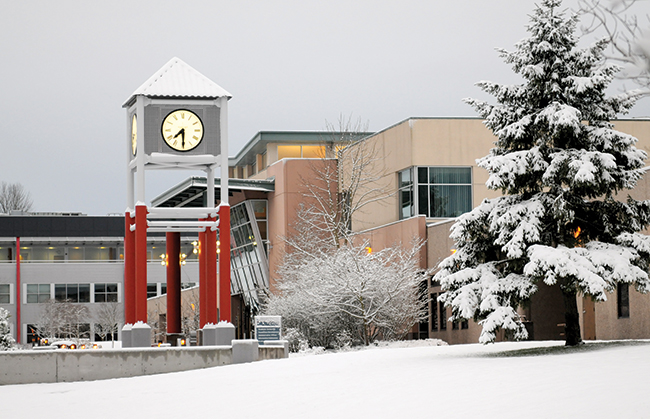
141, 260
202, 280
224, 263
173, 262
211, 273
129, 269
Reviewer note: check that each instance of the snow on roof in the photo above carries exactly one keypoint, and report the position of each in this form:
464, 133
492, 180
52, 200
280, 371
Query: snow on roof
178, 79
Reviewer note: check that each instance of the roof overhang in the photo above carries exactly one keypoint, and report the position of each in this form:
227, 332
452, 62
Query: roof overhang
189, 193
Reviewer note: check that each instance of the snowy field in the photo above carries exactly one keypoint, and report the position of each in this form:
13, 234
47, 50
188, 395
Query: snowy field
503, 380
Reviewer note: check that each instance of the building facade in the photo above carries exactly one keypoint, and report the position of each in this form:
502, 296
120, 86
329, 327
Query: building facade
427, 172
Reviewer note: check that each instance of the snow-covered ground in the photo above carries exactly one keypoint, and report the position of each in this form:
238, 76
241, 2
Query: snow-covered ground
462, 381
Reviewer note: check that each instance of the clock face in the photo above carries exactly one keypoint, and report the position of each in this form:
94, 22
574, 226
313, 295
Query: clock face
182, 130
134, 135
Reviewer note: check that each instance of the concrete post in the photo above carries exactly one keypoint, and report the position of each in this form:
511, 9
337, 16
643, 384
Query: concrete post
126, 336
140, 335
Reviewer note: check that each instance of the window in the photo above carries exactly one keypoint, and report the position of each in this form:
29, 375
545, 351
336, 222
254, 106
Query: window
405, 185
106, 293
313, 152
262, 164
5, 294
33, 335
464, 324
6, 254
289, 151
444, 191
38, 293
434, 312
74, 293
297, 152
152, 289
623, 301
443, 316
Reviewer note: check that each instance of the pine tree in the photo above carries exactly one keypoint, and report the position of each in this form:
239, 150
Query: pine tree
6, 340
559, 163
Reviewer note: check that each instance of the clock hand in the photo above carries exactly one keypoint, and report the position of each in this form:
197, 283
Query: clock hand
182, 134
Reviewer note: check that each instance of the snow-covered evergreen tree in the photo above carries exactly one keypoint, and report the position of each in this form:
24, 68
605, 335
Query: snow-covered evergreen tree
559, 163
7, 341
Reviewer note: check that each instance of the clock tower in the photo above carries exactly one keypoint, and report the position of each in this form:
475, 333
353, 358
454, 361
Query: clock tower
177, 119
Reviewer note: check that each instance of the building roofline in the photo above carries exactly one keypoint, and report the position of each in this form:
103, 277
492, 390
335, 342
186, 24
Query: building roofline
258, 138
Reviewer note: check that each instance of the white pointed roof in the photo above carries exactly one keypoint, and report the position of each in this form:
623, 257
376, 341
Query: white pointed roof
177, 79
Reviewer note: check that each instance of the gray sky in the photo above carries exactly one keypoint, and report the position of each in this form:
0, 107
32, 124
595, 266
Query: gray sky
67, 67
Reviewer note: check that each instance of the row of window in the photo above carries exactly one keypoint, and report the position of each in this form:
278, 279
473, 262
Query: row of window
63, 253
436, 192
80, 293
76, 293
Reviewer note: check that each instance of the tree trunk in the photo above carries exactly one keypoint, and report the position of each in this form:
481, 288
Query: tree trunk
571, 318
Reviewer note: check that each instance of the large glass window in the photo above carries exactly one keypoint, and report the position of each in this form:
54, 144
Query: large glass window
74, 293
106, 293
5, 293
247, 259
444, 191
38, 293
305, 151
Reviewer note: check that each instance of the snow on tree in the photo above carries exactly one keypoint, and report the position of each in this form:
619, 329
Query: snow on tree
559, 163
351, 292
7, 341
63, 320
108, 317
331, 291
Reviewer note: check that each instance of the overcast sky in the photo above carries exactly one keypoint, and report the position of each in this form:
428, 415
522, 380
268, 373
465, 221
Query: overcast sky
68, 66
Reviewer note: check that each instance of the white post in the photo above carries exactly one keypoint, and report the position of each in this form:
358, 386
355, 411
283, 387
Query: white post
139, 106
129, 172
223, 124
209, 172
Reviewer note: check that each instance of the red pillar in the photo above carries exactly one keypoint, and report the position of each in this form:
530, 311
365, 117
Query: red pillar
224, 263
211, 273
202, 281
19, 325
141, 263
173, 282
129, 270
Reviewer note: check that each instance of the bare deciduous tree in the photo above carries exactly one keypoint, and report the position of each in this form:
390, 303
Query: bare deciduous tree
628, 34
108, 319
342, 183
14, 197
330, 288
64, 320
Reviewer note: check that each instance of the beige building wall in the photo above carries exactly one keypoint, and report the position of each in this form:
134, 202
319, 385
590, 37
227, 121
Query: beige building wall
423, 142
291, 179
